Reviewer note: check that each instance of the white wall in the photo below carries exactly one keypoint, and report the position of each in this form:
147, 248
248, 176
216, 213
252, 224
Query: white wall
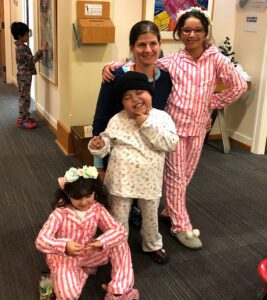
74, 98
13, 12
80, 68
249, 46
87, 62
260, 127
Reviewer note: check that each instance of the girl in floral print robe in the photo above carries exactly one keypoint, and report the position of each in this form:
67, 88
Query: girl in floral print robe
137, 139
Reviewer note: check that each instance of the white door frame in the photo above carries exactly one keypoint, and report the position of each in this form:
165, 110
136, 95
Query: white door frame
8, 41
260, 129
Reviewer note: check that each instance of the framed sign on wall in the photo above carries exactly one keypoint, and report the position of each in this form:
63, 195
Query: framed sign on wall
47, 33
163, 12
262, 4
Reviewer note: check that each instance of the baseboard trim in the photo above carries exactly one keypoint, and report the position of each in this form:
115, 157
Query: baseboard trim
240, 144
64, 139
49, 125
216, 137
62, 133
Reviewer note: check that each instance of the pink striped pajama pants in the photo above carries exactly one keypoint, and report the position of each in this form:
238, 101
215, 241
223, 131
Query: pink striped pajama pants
69, 273
180, 166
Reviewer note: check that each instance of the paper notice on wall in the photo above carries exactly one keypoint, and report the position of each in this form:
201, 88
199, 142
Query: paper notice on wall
251, 22
257, 3
93, 9
88, 131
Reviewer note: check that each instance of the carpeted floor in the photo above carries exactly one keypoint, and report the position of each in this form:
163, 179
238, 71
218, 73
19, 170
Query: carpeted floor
227, 201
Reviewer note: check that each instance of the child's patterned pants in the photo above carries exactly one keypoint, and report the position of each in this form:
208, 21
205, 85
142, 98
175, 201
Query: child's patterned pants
24, 84
180, 166
71, 273
120, 209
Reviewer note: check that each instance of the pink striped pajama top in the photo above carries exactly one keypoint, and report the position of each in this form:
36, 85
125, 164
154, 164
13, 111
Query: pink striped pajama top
65, 225
192, 95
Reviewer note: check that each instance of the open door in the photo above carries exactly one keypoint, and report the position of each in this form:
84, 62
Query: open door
2, 43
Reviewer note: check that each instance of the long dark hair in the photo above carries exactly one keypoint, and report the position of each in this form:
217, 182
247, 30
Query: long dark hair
180, 23
82, 187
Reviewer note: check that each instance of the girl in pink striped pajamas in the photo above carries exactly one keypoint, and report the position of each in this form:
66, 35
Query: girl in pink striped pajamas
68, 238
194, 72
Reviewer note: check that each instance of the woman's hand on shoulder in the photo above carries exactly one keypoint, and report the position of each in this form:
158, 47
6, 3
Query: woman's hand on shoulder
107, 74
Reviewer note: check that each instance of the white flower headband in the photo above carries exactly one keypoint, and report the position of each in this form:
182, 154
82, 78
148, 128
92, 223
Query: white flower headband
195, 9
74, 174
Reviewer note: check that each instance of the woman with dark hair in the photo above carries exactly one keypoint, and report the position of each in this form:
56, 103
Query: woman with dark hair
144, 42
145, 46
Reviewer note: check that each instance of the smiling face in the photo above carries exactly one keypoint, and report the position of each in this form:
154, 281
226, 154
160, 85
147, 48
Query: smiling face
192, 34
146, 49
84, 203
136, 102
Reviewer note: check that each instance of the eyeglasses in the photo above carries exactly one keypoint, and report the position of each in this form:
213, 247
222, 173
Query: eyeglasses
188, 30
30, 32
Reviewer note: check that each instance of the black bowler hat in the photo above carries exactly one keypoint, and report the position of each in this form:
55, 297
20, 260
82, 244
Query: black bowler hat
132, 81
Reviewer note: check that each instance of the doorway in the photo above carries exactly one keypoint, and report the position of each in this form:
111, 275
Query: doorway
259, 144
2, 43
29, 19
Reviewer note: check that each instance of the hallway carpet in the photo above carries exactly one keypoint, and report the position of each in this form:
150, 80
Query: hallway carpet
227, 201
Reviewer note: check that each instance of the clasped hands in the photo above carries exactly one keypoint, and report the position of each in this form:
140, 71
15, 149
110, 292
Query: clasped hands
75, 249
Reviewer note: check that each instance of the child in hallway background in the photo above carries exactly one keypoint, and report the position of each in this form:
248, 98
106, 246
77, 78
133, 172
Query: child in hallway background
26, 68
137, 139
195, 72
69, 239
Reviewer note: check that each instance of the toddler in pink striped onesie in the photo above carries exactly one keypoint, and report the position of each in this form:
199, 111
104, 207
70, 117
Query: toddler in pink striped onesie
68, 238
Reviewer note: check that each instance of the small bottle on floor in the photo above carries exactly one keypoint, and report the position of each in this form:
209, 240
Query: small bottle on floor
46, 286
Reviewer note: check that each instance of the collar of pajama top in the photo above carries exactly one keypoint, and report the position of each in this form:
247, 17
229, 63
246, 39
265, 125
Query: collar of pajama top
190, 100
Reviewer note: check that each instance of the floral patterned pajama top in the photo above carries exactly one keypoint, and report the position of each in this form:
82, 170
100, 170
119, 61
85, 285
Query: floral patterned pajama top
137, 154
